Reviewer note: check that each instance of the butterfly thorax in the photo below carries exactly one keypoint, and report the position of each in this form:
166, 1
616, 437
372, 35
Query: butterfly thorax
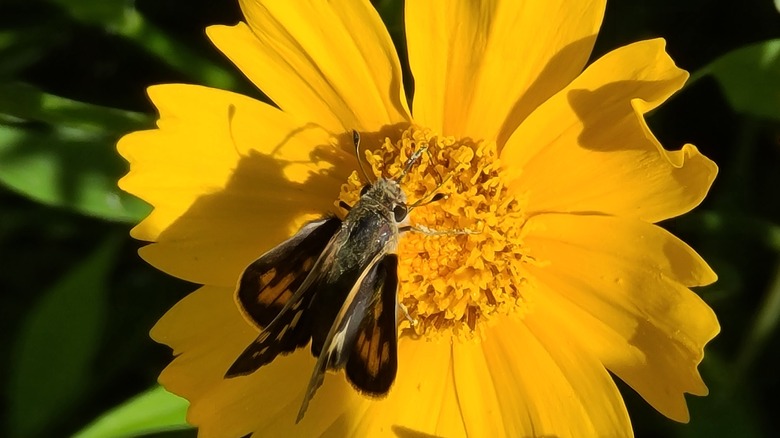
370, 228
383, 194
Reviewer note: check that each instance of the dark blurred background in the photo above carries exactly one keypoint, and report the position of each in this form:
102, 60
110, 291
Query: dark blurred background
78, 302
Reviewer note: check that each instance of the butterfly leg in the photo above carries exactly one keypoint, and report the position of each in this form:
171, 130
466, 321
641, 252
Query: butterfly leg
405, 312
422, 229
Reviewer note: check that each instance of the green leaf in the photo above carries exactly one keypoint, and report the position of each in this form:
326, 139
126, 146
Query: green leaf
67, 168
750, 78
156, 410
25, 102
58, 343
62, 152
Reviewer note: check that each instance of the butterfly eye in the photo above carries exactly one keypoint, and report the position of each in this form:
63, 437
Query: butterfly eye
400, 212
364, 189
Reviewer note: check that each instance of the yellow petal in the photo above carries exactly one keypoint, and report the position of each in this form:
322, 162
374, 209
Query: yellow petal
452, 421
228, 177
328, 62
619, 286
629, 244
419, 399
481, 67
207, 333
478, 393
547, 386
588, 149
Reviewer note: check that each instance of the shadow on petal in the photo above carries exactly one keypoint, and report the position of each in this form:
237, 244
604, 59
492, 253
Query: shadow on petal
264, 201
539, 90
590, 107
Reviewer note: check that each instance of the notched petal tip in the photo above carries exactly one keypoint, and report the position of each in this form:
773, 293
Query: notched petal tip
620, 286
589, 149
692, 172
213, 168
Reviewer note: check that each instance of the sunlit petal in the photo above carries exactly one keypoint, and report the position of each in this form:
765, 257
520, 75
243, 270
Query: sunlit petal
481, 67
619, 286
588, 149
228, 177
329, 62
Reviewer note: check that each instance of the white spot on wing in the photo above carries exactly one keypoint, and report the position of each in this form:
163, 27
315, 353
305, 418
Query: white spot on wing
339, 338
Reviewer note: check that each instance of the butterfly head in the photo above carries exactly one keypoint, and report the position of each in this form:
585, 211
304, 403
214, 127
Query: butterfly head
387, 192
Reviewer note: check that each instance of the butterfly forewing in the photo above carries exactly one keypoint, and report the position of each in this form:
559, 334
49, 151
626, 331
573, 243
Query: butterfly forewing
268, 283
267, 287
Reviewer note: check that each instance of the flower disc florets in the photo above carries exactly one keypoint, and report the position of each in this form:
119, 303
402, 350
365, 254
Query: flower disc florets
464, 263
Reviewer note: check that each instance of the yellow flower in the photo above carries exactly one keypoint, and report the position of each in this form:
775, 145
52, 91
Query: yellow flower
565, 277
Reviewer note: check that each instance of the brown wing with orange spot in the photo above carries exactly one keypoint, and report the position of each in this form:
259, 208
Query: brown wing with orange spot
364, 338
373, 361
269, 294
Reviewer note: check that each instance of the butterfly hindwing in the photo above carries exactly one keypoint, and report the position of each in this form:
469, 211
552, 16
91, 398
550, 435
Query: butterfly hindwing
373, 361
269, 293
364, 336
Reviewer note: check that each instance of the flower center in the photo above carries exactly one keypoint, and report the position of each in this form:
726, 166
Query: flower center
462, 266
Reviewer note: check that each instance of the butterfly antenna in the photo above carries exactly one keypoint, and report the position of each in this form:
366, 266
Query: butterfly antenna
356, 142
439, 180
433, 195
415, 156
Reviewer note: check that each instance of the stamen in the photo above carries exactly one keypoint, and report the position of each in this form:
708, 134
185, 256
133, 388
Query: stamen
467, 266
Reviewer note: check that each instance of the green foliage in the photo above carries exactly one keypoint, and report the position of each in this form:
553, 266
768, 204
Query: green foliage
750, 78
156, 410
58, 343
61, 152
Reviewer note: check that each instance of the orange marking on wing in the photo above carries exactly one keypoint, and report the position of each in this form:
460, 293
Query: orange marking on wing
271, 295
373, 358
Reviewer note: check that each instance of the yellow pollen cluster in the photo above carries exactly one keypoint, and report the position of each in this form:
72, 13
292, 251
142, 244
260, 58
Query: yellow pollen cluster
464, 264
